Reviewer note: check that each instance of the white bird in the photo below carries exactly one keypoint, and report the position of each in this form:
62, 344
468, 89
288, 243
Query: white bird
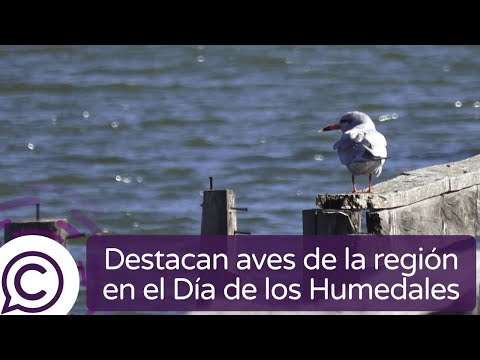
362, 149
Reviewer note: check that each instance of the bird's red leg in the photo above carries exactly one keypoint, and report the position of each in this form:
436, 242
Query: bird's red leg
353, 182
369, 183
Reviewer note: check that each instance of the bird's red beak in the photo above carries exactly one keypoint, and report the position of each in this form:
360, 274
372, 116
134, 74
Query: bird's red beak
333, 126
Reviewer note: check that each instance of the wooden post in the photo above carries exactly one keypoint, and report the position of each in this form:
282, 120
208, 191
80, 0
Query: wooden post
43, 227
331, 222
437, 200
218, 215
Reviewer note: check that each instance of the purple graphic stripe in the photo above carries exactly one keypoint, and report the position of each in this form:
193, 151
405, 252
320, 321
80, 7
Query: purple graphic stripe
68, 228
77, 214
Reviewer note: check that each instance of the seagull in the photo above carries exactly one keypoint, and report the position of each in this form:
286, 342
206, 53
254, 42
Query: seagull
362, 149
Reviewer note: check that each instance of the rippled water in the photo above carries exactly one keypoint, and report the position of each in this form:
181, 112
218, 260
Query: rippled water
130, 134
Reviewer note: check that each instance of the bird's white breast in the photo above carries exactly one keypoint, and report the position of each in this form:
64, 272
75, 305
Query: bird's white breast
366, 167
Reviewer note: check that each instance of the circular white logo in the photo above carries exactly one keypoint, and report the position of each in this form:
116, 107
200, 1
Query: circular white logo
37, 276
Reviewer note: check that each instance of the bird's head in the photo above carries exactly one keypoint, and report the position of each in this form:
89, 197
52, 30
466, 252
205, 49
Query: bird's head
349, 121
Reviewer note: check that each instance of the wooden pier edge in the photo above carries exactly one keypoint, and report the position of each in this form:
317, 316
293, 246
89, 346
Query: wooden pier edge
437, 200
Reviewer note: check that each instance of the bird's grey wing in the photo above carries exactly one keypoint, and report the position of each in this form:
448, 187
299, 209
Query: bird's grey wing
361, 145
375, 143
348, 148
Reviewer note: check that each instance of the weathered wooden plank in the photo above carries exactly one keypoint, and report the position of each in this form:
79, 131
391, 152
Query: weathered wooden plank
449, 214
324, 222
400, 191
410, 187
218, 217
422, 218
459, 212
477, 229
461, 174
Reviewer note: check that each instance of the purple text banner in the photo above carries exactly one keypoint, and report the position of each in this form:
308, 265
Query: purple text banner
281, 273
